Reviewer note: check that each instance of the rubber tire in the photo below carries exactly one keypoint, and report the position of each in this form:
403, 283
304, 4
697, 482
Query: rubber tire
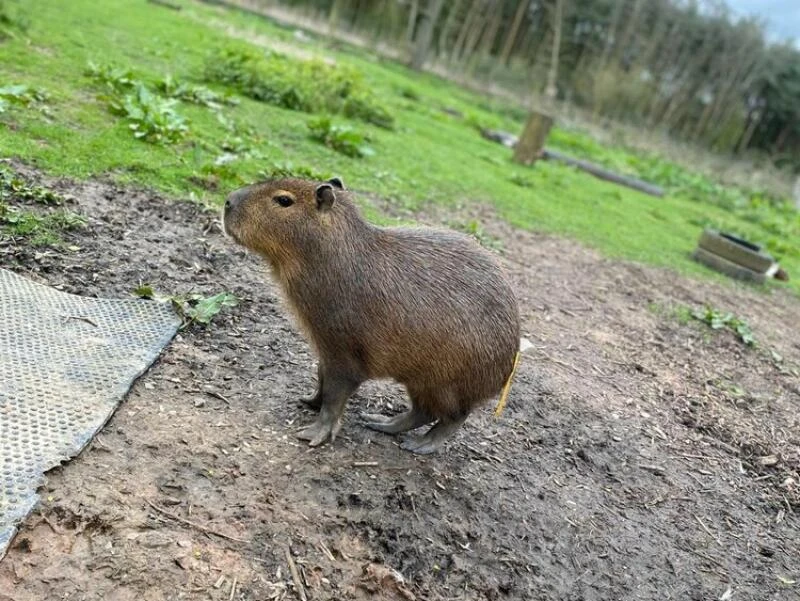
727, 249
729, 268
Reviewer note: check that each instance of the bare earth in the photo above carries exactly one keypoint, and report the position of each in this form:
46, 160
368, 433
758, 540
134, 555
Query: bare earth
638, 457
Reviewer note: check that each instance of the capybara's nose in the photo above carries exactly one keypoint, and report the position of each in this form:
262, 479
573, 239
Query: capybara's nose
235, 198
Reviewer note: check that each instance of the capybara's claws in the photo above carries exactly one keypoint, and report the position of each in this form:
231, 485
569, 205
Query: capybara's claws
318, 432
375, 421
417, 444
314, 401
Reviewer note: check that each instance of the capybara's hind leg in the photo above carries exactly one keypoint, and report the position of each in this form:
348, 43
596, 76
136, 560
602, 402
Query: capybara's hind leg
315, 400
413, 418
433, 438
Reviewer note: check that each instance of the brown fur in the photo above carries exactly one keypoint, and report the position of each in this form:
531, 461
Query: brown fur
428, 308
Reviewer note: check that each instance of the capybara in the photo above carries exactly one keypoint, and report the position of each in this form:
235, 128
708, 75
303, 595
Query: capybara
428, 308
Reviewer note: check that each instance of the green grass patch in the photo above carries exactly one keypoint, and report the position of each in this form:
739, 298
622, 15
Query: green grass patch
194, 93
20, 95
342, 138
19, 222
203, 56
150, 117
12, 19
719, 320
311, 86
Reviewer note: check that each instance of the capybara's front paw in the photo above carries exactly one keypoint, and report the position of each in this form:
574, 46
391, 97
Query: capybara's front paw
320, 431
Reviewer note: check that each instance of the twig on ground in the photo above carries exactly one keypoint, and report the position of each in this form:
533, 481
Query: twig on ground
217, 395
298, 584
326, 551
707, 530
659, 471
195, 525
562, 363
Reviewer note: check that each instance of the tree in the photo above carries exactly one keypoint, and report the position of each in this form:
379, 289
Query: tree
511, 36
424, 37
552, 75
688, 67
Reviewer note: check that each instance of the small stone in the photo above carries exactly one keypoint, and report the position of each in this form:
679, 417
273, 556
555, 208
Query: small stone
199, 403
154, 539
769, 460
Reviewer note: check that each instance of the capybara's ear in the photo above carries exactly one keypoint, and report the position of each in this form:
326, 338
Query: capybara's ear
336, 182
325, 197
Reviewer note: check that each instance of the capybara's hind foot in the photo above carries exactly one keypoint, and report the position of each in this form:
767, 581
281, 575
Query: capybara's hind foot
433, 439
313, 401
399, 423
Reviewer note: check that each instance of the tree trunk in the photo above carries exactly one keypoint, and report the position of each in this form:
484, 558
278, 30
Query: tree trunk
797, 193
531, 142
333, 16
412, 21
511, 38
422, 42
465, 28
627, 34
611, 33
604, 174
780, 141
490, 35
551, 91
488, 40
444, 36
474, 35
753, 122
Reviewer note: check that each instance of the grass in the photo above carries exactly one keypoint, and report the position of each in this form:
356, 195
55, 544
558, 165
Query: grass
718, 320
202, 57
18, 220
341, 138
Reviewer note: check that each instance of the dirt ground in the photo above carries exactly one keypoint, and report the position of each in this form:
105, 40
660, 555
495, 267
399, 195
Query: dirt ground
638, 457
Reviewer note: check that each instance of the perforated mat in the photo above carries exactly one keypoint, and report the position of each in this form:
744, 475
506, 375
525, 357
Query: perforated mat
66, 362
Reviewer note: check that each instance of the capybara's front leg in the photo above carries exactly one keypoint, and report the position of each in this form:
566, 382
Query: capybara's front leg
336, 389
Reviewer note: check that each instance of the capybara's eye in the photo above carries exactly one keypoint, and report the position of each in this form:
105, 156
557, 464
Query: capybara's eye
284, 201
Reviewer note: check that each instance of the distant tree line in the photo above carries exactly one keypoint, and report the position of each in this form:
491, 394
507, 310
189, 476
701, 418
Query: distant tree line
689, 67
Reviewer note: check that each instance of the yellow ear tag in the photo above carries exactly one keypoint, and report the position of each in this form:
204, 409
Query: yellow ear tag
503, 397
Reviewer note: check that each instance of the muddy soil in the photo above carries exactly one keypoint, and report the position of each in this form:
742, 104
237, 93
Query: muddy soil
638, 457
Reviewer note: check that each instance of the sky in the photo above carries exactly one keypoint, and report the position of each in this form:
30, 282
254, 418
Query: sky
782, 17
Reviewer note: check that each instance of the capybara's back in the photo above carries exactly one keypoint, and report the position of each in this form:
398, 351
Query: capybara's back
432, 310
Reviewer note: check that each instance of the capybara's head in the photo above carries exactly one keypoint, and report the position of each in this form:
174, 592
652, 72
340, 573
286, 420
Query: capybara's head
280, 218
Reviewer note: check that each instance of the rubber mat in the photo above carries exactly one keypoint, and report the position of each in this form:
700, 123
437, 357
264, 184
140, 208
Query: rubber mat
66, 362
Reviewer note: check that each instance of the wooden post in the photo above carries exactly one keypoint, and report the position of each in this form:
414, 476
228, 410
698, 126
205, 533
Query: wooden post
530, 143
